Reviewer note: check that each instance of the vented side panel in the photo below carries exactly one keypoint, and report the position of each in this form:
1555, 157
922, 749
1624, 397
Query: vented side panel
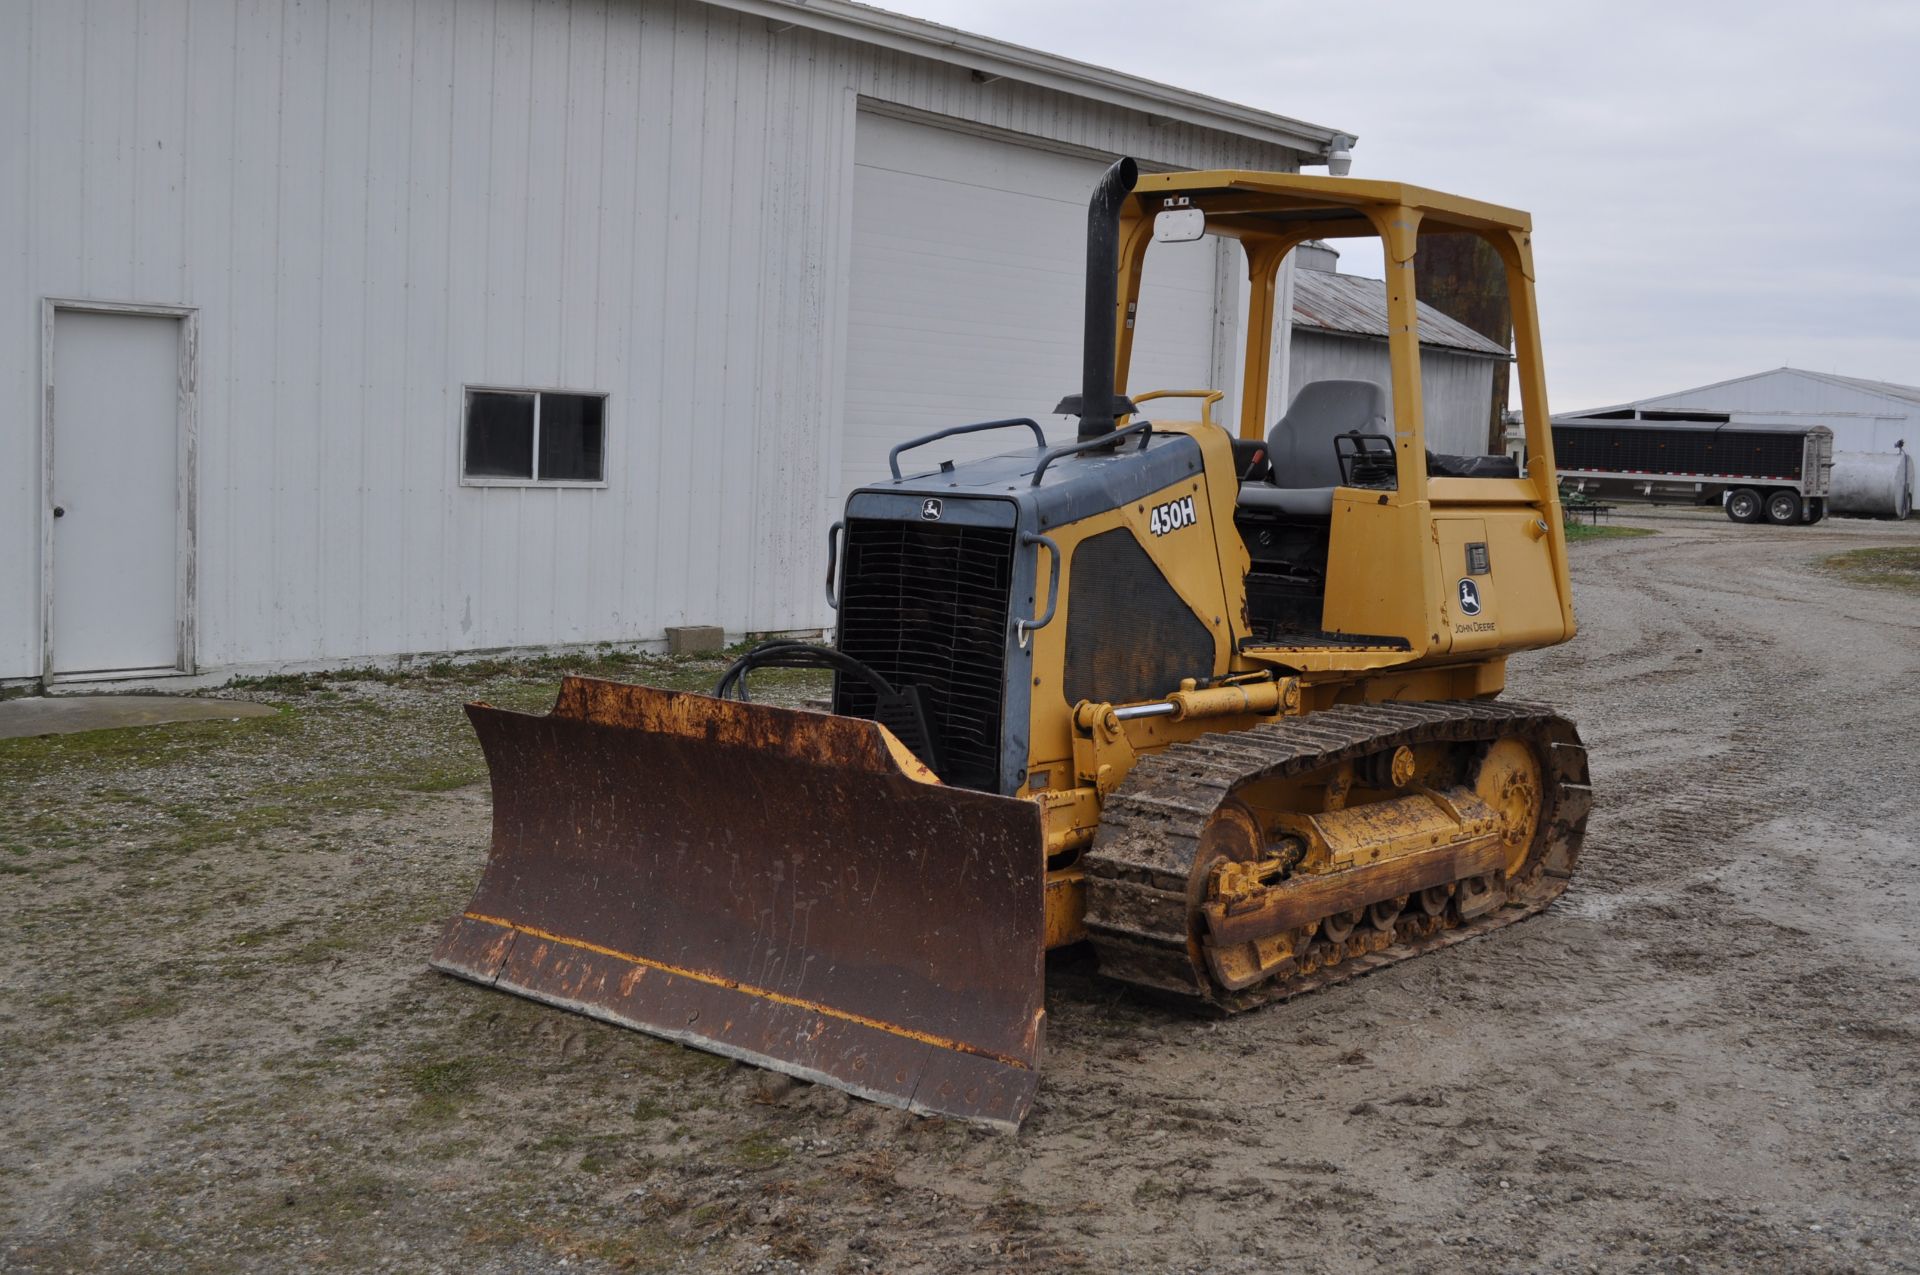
1129, 636
1705, 452
925, 604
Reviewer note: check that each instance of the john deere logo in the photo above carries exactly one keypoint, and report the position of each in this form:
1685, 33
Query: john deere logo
1469, 598
930, 509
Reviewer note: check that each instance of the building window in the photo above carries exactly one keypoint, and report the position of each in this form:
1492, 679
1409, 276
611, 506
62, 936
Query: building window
534, 436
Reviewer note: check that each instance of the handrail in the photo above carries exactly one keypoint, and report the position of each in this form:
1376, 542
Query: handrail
833, 558
1144, 429
1023, 627
893, 457
1207, 399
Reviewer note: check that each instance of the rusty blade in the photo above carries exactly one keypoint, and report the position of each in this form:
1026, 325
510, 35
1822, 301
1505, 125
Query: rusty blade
788, 888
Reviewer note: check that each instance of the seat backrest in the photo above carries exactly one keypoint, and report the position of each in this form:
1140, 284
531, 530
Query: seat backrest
1301, 442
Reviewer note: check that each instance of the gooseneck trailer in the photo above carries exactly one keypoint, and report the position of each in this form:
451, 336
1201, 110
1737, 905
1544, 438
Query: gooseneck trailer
1758, 472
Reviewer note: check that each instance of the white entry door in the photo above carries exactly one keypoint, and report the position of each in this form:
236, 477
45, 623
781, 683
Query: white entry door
967, 293
115, 480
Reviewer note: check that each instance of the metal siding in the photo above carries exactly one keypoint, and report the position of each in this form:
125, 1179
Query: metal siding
245, 604
966, 294
431, 396
213, 225
301, 522
611, 262
373, 205
1457, 389
20, 513
342, 318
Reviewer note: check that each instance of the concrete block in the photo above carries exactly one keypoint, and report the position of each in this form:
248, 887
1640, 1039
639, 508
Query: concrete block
696, 639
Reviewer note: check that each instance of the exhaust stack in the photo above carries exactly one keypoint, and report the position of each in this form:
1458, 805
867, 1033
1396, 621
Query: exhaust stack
1096, 406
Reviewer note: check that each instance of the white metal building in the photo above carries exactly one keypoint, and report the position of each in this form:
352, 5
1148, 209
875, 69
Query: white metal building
1865, 416
1340, 333
337, 330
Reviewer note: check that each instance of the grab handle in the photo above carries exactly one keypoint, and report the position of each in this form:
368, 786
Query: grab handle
833, 556
1023, 627
1207, 399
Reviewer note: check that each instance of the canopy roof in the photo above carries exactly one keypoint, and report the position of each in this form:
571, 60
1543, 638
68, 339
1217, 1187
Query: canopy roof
1237, 201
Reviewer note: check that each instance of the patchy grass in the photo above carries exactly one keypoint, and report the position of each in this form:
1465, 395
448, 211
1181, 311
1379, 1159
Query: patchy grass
220, 932
1887, 568
340, 743
334, 1197
446, 778
761, 1149
442, 1085
1579, 531
117, 751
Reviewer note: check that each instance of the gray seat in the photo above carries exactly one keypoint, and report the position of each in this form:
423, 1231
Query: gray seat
1306, 468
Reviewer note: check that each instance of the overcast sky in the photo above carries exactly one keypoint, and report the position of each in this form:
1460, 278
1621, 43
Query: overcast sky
1717, 189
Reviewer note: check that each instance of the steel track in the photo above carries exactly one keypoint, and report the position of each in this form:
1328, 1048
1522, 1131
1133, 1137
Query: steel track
1140, 869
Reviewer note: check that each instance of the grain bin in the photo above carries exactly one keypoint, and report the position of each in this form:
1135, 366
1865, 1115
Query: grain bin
1871, 484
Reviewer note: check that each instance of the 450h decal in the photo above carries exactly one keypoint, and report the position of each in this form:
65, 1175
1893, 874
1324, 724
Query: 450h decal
1172, 516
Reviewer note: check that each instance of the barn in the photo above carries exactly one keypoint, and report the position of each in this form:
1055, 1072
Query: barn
340, 331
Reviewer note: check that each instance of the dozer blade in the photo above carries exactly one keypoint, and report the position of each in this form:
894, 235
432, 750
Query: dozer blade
788, 888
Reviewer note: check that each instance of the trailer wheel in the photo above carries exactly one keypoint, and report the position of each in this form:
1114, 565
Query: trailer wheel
1744, 505
1816, 510
1784, 508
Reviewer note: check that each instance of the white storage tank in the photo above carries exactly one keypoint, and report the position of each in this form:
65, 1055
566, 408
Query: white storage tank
1871, 484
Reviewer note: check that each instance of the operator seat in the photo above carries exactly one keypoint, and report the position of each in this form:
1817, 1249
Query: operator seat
1306, 468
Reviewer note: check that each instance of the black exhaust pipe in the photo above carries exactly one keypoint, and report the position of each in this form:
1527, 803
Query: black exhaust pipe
1096, 405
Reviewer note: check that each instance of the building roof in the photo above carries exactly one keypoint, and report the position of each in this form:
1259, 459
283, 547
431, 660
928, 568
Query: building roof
1734, 421
1885, 389
999, 59
1911, 393
1355, 306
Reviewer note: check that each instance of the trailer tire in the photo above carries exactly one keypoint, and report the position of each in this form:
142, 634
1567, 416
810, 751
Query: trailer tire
1785, 508
1744, 505
1816, 510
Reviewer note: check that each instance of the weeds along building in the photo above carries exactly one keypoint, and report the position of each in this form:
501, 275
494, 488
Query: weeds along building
343, 330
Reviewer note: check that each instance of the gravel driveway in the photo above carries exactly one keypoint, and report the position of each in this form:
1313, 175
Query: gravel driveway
220, 1049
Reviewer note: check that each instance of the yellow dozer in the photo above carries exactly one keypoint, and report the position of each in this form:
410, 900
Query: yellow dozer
1224, 709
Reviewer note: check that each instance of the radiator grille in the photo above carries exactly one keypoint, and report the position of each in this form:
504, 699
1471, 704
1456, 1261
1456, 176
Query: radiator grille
1704, 452
925, 604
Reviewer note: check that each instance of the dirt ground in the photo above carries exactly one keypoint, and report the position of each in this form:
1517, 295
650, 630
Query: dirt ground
220, 1049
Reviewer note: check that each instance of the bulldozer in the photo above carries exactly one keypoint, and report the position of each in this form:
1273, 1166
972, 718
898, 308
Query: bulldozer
1220, 708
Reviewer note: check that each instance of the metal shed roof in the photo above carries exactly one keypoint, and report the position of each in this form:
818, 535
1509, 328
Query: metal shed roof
1787, 400
1729, 421
991, 58
1358, 307
1910, 393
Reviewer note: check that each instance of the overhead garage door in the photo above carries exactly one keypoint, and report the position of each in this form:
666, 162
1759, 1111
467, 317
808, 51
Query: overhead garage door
967, 292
